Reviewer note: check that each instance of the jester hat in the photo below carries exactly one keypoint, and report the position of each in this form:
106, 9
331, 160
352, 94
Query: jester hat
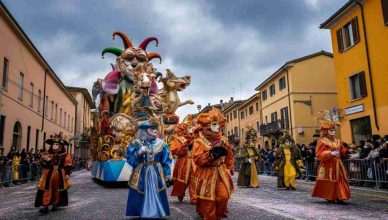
128, 44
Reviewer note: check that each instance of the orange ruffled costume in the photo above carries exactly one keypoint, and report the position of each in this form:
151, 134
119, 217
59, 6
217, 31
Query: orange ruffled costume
213, 184
332, 177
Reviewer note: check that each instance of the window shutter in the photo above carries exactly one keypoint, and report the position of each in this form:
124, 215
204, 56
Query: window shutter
384, 6
356, 34
339, 40
361, 77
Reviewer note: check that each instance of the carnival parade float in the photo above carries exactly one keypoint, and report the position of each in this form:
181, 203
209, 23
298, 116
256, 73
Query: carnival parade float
128, 96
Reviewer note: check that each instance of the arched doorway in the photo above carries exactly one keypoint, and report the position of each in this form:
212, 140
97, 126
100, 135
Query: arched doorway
17, 136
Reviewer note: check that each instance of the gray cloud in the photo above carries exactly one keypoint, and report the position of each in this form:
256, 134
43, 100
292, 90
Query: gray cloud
220, 43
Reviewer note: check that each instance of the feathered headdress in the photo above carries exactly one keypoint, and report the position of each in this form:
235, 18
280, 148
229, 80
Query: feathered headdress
328, 119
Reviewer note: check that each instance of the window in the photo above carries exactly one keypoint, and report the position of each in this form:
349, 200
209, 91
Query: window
284, 121
44, 140
272, 90
282, 83
235, 130
242, 132
266, 119
235, 114
45, 106
357, 86
242, 115
251, 110
227, 118
32, 95
258, 126
257, 106
274, 116
28, 138
384, 6
264, 95
228, 133
71, 127
56, 113
2, 124
246, 112
230, 116
39, 99
64, 121
21, 86
68, 122
52, 110
37, 139
348, 35
60, 116
5, 73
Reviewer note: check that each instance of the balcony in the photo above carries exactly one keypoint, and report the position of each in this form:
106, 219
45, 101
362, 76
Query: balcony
273, 127
233, 138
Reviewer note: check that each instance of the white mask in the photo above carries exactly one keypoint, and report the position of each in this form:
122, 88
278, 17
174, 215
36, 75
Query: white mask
287, 143
332, 132
152, 132
215, 128
55, 146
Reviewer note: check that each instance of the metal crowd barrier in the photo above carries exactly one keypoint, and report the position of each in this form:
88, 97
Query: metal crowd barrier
360, 171
18, 174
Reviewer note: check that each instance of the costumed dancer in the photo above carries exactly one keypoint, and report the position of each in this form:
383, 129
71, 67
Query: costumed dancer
288, 156
181, 144
213, 157
332, 177
249, 156
54, 182
150, 158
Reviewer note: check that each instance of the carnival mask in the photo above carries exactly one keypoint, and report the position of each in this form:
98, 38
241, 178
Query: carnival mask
287, 143
332, 132
153, 132
215, 127
55, 146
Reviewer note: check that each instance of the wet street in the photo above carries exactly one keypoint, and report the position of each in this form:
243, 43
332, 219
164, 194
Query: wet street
91, 200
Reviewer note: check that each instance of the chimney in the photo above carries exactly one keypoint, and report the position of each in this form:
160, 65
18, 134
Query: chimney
221, 101
231, 99
208, 104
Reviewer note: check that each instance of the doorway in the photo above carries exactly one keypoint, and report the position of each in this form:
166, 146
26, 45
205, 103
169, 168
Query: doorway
361, 129
17, 136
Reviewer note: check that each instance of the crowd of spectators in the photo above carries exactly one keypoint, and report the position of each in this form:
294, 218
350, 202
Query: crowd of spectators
18, 167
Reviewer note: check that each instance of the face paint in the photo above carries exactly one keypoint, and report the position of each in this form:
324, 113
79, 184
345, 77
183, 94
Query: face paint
287, 143
332, 132
214, 127
55, 146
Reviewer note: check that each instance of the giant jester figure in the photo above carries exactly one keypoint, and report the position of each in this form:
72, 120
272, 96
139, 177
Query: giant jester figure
249, 156
150, 158
213, 157
332, 177
181, 145
54, 181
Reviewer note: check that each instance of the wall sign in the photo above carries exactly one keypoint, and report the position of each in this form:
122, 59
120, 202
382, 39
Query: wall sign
354, 109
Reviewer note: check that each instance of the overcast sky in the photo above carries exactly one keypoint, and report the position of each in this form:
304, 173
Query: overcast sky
228, 47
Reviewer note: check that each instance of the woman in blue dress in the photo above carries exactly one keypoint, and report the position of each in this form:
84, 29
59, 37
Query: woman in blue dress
150, 158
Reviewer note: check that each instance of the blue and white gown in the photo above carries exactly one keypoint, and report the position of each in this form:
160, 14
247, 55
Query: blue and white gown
147, 196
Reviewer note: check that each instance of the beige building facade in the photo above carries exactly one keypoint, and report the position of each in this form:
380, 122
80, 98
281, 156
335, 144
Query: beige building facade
293, 95
232, 127
34, 103
250, 114
83, 122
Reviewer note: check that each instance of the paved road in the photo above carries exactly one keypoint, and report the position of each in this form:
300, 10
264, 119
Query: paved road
90, 200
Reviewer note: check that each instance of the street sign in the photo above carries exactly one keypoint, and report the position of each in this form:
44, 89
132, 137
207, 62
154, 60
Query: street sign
354, 109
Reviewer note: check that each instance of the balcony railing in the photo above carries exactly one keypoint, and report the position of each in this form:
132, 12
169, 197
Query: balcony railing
234, 138
273, 127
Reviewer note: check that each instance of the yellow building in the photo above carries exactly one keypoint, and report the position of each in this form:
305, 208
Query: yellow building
249, 113
292, 96
232, 127
359, 32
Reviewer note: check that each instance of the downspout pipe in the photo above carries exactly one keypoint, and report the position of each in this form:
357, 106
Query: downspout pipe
289, 99
369, 64
44, 98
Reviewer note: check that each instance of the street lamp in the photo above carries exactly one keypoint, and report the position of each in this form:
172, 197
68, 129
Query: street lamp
199, 107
